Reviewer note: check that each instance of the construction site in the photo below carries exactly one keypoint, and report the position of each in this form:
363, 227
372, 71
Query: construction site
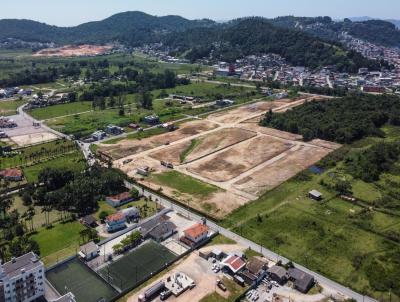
227, 150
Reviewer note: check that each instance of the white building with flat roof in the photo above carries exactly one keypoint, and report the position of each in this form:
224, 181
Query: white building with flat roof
22, 279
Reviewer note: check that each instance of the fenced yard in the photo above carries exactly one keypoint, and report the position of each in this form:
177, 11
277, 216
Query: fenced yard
74, 276
138, 265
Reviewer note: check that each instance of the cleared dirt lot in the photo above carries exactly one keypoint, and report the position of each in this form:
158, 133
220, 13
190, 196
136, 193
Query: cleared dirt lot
73, 51
204, 145
271, 132
238, 159
34, 138
235, 115
228, 150
295, 160
128, 147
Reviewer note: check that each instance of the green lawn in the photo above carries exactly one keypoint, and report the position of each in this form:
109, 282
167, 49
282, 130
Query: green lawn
29, 155
58, 242
39, 218
60, 110
73, 161
10, 107
184, 183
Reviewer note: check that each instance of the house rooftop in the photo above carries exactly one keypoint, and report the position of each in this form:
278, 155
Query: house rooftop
89, 248
115, 217
278, 271
121, 196
196, 230
234, 263
13, 172
27, 262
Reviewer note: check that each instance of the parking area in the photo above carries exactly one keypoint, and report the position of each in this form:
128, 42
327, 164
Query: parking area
26, 133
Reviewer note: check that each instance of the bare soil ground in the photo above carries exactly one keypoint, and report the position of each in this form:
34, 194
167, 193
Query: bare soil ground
73, 51
295, 160
128, 147
200, 271
238, 159
205, 145
233, 116
325, 144
271, 132
34, 138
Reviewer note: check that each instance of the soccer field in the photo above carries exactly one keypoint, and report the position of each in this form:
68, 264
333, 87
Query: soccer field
75, 277
137, 265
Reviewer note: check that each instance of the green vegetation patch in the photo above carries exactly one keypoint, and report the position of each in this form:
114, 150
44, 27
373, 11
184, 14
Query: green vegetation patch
60, 110
193, 144
184, 183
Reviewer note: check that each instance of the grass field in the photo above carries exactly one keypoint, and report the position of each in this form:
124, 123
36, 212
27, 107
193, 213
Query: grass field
39, 218
58, 242
137, 265
10, 107
75, 277
184, 183
73, 161
345, 241
60, 110
29, 155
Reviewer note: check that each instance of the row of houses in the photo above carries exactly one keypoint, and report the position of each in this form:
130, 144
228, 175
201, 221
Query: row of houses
256, 269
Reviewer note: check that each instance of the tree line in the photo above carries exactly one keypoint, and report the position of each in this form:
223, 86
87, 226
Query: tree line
343, 120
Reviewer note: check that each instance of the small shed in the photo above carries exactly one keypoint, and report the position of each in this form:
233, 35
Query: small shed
89, 251
89, 221
314, 194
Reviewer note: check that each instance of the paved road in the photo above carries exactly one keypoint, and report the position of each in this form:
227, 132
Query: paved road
254, 246
26, 116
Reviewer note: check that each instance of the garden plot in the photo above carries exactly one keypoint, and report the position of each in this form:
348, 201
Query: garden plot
202, 146
240, 158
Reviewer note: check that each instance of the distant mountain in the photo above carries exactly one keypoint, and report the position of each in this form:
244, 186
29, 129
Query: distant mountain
308, 42
358, 19
132, 27
249, 36
375, 31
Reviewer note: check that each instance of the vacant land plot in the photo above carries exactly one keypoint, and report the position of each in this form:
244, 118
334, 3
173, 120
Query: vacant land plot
204, 145
10, 107
184, 183
238, 159
130, 147
296, 160
77, 278
34, 138
25, 133
244, 112
73, 51
60, 110
136, 266
73, 161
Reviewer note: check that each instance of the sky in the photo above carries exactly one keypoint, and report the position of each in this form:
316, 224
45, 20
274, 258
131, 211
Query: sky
74, 12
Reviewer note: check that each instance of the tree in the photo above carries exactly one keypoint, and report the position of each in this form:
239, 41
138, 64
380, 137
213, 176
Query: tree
103, 215
145, 100
134, 193
26, 199
72, 97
